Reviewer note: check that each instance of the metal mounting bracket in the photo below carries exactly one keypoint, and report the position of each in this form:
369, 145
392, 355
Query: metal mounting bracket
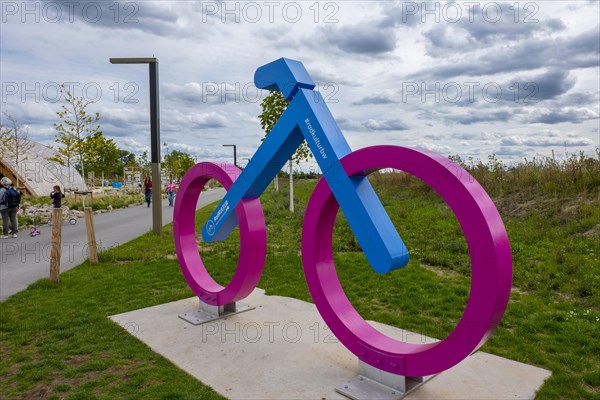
373, 383
207, 313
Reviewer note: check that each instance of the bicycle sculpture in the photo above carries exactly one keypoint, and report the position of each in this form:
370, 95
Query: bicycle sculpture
345, 184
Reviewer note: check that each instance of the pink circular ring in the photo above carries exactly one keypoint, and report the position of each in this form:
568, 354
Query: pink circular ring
253, 237
489, 249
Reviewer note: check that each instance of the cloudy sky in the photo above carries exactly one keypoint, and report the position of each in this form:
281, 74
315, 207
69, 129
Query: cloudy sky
515, 79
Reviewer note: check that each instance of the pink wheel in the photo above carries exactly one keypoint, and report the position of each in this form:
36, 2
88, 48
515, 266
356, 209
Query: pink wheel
489, 250
253, 237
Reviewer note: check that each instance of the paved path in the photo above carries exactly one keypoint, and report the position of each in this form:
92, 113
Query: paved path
26, 259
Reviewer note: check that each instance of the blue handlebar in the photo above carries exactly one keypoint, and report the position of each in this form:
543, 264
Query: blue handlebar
285, 75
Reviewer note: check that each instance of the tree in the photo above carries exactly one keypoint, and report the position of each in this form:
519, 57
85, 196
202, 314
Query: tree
143, 163
167, 168
76, 125
273, 107
178, 162
66, 151
126, 157
102, 154
4, 138
15, 142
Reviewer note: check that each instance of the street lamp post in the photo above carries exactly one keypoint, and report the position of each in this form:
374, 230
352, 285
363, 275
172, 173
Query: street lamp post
234, 152
154, 136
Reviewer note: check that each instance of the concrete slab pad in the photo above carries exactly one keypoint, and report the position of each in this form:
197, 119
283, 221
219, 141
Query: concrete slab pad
284, 350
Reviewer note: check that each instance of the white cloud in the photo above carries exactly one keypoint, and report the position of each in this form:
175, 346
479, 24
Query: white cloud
545, 141
208, 120
363, 50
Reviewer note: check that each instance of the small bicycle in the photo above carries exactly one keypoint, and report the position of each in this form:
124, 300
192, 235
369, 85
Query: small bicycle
72, 221
345, 184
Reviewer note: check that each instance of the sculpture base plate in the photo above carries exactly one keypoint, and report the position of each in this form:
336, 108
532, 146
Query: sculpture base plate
283, 350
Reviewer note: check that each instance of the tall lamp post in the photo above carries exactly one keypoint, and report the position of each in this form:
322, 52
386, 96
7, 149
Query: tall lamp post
154, 136
234, 152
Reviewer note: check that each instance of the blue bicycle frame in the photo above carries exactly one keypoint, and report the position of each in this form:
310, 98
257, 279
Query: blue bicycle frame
308, 117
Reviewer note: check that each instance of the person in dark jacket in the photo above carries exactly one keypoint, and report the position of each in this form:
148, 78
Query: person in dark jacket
56, 197
8, 213
148, 190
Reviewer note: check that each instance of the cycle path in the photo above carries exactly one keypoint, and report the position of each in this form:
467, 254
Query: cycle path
26, 259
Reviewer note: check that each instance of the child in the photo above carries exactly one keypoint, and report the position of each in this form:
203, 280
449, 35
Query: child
56, 197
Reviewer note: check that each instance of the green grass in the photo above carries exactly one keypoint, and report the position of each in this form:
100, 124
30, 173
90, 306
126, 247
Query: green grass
57, 342
553, 318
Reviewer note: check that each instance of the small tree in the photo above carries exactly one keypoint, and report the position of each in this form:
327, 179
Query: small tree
66, 151
4, 138
178, 162
273, 107
76, 124
143, 163
167, 167
15, 142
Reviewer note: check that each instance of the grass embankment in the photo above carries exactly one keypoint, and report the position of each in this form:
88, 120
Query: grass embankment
57, 342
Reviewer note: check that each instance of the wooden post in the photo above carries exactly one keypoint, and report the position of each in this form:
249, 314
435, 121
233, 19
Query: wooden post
91, 234
56, 244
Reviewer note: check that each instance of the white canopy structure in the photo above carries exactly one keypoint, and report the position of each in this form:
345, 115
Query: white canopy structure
37, 172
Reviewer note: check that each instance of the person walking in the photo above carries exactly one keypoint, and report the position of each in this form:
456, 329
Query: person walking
10, 198
148, 190
170, 192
